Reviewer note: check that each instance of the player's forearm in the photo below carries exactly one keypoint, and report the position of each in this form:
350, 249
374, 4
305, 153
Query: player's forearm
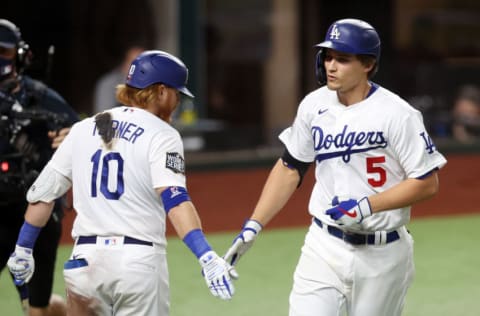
186, 222
405, 193
184, 218
278, 189
38, 213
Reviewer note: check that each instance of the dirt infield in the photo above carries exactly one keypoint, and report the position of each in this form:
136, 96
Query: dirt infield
225, 198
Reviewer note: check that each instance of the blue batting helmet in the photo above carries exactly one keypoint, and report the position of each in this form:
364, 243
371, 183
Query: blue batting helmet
156, 66
350, 36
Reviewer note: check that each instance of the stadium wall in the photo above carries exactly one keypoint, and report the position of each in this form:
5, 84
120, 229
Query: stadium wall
225, 198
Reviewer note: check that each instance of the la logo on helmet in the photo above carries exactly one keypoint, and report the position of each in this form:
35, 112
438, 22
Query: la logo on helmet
130, 72
334, 34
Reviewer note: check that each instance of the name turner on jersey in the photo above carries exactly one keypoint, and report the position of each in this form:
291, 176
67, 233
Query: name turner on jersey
124, 130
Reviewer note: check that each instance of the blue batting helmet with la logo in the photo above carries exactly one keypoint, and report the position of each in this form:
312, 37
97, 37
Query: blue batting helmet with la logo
155, 66
350, 36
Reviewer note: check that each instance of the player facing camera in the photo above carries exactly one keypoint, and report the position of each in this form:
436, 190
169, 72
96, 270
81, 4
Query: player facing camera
368, 174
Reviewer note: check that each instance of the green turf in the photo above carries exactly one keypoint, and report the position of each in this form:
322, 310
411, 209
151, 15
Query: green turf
447, 280
447, 260
9, 301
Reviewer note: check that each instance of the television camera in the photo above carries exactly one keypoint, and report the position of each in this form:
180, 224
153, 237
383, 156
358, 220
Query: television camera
17, 154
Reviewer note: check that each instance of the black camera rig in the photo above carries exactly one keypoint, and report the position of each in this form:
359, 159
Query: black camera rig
16, 153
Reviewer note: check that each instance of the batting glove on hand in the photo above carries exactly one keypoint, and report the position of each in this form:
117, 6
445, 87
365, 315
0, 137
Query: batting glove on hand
218, 275
243, 241
21, 265
349, 212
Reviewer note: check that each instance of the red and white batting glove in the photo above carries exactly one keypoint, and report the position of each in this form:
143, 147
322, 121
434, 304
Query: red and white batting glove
243, 241
349, 212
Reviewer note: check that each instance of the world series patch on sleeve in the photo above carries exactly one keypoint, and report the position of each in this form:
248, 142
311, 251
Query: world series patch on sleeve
175, 162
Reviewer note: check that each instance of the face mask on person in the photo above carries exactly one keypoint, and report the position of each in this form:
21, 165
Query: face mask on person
6, 68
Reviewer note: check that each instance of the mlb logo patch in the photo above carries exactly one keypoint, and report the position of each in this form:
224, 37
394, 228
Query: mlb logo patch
110, 242
175, 162
174, 191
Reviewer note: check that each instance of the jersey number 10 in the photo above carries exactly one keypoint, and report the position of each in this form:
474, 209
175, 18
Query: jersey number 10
106, 166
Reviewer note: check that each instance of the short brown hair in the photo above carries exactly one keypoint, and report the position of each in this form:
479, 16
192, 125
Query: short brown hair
140, 98
143, 99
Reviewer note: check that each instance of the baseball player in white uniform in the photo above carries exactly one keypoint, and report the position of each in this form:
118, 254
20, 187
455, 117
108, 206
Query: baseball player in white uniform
127, 169
373, 160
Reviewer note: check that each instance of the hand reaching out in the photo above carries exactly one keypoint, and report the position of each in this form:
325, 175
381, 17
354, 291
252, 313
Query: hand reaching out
218, 275
243, 242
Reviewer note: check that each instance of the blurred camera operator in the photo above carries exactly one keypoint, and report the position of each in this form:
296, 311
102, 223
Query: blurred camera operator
34, 142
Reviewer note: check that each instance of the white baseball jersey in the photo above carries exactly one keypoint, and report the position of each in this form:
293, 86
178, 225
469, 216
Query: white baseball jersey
360, 150
113, 189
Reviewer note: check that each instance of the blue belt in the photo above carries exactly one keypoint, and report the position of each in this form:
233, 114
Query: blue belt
357, 239
126, 240
75, 263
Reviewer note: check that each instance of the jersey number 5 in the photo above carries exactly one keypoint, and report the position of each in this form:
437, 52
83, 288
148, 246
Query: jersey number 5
373, 167
107, 167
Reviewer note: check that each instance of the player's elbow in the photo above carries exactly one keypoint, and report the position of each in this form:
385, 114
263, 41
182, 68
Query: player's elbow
432, 186
430, 192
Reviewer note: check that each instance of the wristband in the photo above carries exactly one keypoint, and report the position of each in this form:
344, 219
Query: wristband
252, 225
173, 196
28, 235
196, 241
365, 208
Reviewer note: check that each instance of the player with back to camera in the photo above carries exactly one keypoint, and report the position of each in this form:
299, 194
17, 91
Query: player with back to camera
127, 171
373, 160
35, 142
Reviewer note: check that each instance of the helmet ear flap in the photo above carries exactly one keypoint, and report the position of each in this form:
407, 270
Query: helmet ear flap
320, 72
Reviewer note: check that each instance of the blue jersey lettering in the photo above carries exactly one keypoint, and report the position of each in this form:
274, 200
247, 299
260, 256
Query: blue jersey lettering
430, 146
346, 142
125, 130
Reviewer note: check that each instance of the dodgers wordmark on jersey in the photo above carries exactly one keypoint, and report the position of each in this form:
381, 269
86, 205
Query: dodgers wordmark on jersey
114, 179
360, 150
